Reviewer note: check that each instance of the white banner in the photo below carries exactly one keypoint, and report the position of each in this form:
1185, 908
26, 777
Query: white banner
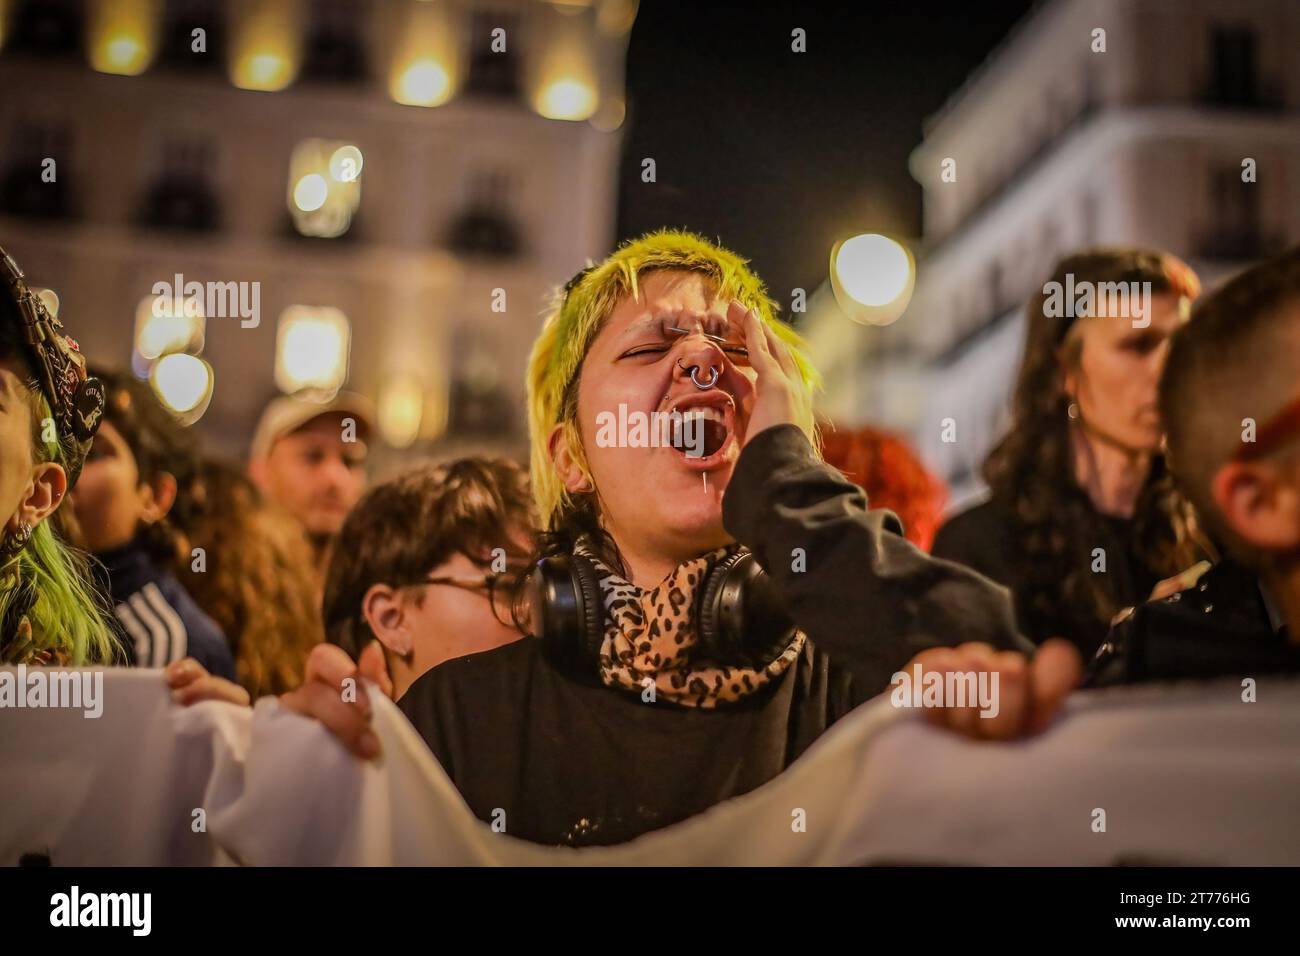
1186, 774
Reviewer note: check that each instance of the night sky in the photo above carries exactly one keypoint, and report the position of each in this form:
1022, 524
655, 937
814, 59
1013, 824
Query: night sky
775, 152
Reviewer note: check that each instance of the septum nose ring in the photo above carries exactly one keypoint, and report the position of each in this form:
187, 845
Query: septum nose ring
695, 369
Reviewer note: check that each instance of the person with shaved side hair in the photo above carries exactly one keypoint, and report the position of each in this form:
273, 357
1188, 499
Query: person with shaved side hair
1229, 397
1230, 400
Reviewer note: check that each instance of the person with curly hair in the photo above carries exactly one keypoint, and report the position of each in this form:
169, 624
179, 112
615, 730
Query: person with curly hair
1083, 519
251, 567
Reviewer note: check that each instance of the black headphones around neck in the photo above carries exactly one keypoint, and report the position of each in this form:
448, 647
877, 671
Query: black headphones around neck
739, 618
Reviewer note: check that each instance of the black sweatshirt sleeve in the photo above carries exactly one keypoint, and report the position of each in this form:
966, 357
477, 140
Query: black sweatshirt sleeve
862, 592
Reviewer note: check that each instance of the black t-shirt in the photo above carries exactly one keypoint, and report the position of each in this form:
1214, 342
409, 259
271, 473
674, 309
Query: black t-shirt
578, 763
984, 538
570, 761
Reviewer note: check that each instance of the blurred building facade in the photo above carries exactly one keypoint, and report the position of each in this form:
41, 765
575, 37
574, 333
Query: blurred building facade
431, 171
1057, 147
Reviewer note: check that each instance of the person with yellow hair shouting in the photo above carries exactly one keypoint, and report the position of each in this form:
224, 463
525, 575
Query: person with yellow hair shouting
710, 596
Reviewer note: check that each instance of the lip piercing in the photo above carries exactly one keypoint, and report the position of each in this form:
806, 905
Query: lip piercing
695, 369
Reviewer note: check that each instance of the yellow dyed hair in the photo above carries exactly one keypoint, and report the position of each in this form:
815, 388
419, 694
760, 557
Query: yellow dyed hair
574, 321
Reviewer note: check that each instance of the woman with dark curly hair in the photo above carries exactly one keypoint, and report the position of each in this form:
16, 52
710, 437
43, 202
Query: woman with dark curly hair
1083, 519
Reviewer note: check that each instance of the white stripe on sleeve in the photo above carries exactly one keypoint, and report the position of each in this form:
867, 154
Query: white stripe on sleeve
139, 636
157, 631
167, 614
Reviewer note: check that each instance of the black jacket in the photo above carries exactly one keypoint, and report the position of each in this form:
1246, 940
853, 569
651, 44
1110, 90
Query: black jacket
985, 538
560, 758
1220, 627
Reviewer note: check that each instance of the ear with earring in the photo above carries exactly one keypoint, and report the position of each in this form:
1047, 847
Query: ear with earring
1072, 407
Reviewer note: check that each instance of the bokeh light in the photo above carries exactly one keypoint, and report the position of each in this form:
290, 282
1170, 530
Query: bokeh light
872, 277
310, 192
184, 383
312, 349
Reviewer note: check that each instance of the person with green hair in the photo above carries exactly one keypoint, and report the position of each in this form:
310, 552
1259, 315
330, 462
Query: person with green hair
672, 439
49, 412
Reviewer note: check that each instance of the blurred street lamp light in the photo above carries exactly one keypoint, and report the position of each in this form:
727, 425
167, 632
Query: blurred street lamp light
401, 409
266, 47
310, 192
426, 67
184, 383
312, 348
872, 277
564, 79
566, 98
164, 325
123, 35
422, 82
324, 187
268, 72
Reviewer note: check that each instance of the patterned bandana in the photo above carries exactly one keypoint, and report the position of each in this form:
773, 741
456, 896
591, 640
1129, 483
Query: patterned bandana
76, 399
651, 634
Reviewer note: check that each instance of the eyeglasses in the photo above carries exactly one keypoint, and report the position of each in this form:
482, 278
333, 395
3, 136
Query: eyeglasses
1272, 435
497, 587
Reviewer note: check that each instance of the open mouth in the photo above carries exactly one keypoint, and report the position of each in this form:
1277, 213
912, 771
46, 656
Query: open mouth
703, 427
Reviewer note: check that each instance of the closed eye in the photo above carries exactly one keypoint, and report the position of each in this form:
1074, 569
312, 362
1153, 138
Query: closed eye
738, 350
645, 350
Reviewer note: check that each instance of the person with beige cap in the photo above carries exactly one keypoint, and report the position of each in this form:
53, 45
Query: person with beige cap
310, 459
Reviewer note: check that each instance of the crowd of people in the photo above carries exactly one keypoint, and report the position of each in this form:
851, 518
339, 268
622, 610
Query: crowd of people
613, 639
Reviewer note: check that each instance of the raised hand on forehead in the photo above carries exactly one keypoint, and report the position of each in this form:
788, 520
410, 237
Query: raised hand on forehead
781, 398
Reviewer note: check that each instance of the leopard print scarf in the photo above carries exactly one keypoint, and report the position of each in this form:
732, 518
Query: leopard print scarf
650, 635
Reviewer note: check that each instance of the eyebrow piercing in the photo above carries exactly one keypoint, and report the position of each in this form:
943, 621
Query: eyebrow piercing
707, 335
